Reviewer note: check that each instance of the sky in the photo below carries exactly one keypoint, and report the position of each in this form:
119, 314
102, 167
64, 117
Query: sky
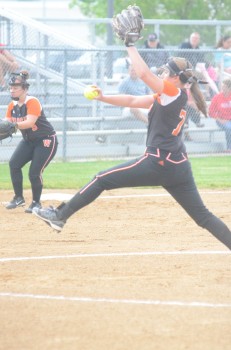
52, 9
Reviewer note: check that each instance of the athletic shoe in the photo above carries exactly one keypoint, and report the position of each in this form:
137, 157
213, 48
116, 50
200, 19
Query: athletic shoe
16, 202
49, 215
33, 205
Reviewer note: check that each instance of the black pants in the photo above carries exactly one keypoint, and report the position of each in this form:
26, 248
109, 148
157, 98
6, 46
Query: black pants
40, 153
154, 168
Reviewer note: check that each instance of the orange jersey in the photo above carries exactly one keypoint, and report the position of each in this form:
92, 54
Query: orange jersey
16, 113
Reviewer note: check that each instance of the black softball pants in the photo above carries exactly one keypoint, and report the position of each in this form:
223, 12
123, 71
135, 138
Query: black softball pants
40, 153
154, 168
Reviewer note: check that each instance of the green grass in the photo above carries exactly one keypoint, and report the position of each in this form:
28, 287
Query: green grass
209, 172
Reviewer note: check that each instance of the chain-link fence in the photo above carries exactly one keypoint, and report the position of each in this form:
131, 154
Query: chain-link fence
60, 68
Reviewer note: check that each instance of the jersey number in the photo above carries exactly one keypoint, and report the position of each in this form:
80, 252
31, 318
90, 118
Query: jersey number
182, 116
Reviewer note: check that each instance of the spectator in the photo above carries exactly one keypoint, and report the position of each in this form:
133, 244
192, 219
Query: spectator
220, 109
8, 64
193, 43
212, 78
222, 59
132, 85
154, 59
205, 71
192, 111
200, 63
193, 114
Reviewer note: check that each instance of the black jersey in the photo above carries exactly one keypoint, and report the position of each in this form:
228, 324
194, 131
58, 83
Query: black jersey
42, 127
166, 119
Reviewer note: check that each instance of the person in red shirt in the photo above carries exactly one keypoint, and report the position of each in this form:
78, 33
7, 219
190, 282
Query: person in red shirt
220, 109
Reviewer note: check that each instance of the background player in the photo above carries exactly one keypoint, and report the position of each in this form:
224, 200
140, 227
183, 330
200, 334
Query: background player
165, 162
39, 143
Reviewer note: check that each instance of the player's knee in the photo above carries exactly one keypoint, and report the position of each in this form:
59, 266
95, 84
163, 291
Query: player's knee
34, 178
102, 181
13, 165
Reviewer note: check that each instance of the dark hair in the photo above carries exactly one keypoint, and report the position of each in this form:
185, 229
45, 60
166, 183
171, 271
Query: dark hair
19, 79
183, 68
176, 68
222, 39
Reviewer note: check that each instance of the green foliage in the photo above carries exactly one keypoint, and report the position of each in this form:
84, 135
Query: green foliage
151, 9
170, 35
220, 9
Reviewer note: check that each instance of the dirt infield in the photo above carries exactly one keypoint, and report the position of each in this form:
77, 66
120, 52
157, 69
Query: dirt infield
130, 271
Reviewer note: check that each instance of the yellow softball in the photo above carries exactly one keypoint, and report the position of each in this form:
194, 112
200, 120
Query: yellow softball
90, 93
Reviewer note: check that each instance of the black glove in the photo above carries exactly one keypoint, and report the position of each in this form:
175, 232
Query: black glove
128, 24
7, 129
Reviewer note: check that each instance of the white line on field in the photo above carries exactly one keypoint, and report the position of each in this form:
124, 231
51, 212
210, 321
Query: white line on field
68, 196
118, 301
98, 255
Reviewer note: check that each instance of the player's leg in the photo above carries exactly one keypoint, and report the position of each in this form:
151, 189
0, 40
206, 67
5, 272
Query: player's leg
187, 195
227, 129
44, 152
228, 135
143, 171
21, 156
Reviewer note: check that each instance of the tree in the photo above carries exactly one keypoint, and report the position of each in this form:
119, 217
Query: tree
174, 9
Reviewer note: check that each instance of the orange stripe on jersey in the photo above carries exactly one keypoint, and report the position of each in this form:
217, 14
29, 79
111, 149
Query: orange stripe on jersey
33, 106
9, 109
170, 89
182, 116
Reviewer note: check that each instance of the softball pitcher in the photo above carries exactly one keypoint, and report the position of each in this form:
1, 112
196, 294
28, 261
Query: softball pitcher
164, 162
38, 144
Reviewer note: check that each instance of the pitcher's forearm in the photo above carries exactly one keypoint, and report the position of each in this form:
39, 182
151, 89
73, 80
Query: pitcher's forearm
144, 72
118, 100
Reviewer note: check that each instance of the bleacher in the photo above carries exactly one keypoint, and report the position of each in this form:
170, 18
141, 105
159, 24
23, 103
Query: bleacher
86, 129
112, 135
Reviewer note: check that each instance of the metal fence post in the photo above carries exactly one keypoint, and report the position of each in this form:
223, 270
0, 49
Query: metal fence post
65, 107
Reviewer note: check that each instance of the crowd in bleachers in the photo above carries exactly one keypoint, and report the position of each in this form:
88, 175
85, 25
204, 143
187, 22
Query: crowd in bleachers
213, 71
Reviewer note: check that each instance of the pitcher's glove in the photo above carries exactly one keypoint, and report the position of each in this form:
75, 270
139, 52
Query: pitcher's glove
128, 24
7, 129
